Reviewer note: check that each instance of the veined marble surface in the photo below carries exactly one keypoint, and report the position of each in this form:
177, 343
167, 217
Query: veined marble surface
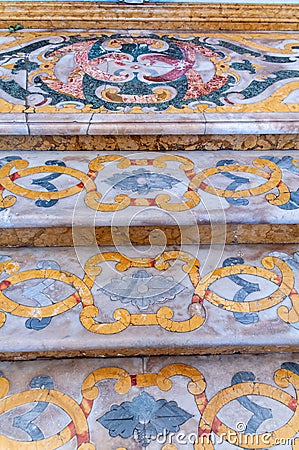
165, 403
148, 300
217, 2
148, 83
94, 189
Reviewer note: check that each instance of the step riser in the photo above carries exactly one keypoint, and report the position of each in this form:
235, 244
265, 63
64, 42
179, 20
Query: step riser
181, 16
146, 235
169, 143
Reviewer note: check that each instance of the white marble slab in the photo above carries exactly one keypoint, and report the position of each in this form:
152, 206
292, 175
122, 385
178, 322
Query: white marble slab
133, 188
169, 398
121, 82
140, 306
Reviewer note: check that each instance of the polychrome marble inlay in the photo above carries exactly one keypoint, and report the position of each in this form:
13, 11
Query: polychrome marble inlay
226, 402
149, 73
109, 188
106, 299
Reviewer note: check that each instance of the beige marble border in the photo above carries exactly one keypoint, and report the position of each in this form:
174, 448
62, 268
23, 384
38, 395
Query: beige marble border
150, 16
48, 124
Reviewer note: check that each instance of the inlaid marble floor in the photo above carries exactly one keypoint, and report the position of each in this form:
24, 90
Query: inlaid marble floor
148, 83
108, 301
146, 189
170, 403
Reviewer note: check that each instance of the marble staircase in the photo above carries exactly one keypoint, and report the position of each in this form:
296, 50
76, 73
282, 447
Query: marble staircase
149, 216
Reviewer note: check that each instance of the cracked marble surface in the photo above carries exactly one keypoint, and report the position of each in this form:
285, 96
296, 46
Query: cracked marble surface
95, 189
152, 83
117, 300
152, 403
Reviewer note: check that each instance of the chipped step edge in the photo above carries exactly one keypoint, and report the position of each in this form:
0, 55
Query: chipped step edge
147, 352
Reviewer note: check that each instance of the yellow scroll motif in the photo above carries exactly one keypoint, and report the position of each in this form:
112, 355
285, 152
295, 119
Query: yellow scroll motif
209, 410
86, 182
10, 306
79, 423
273, 177
286, 283
282, 378
123, 319
265, 169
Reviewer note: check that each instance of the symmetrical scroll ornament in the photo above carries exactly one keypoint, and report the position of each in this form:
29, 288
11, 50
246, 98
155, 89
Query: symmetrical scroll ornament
144, 289
147, 418
157, 73
149, 177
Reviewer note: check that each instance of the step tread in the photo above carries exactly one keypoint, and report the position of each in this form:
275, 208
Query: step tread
66, 82
65, 189
134, 304
185, 395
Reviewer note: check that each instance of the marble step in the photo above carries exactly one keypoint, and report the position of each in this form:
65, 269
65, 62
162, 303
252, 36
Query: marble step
170, 403
66, 82
66, 198
111, 301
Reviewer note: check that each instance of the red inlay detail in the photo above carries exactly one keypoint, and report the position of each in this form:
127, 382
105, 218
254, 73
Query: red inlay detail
228, 101
203, 186
207, 293
278, 278
293, 292
292, 404
200, 396
2, 187
203, 398
151, 201
14, 176
196, 299
83, 438
86, 406
41, 103
204, 432
80, 185
72, 429
77, 297
4, 285
189, 172
216, 424
133, 380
